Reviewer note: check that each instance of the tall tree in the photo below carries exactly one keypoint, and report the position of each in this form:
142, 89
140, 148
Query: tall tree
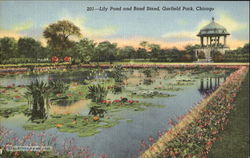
84, 50
106, 51
8, 48
59, 36
154, 50
127, 52
29, 48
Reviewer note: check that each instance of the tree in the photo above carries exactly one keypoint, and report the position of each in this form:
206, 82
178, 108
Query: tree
127, 52
58, 36
154, 50
141, 53
106, 51
217, 56
84, 50
144, 44
29, 48
8, 48
201, 55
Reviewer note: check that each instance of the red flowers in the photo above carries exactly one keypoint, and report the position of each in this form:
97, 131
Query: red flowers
17, 97
209, 143
106, 102
117, 101
54, 59
67, 59
210, 121
69, 95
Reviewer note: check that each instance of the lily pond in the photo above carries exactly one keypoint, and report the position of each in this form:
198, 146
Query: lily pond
109, 111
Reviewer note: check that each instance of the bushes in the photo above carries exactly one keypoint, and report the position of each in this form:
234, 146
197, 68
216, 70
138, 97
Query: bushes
19, 60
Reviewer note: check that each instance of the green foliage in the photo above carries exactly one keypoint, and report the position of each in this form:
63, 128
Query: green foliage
241, 54
217, 56
147, 72
84, 50
84, 125
7, 112
127, 52
29, 47
118, 73
147, 81
19, 60
201, 55
58, 86
106, 51
97, 110
58, 34
97, 93
38, 95
8, 48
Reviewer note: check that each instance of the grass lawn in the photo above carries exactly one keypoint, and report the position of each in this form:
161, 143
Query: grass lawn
234, 140
121, 62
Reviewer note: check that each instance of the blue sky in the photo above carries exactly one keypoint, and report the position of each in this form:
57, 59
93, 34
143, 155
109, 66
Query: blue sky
167, 28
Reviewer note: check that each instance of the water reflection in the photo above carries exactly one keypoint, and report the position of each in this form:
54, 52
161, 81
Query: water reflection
207, 85
80, 106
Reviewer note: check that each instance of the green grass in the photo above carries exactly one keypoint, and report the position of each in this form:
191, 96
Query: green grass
121, 62
234, 141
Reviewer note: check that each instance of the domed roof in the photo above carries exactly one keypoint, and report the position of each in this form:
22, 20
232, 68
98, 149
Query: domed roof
213, 28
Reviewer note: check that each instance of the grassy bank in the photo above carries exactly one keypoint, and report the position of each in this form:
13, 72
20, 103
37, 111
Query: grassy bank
118, 62
234, 142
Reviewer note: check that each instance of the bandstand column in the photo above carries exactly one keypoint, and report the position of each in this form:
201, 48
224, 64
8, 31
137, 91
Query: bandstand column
225, 40
207, 40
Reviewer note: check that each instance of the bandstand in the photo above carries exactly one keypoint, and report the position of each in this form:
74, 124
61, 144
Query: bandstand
213, 37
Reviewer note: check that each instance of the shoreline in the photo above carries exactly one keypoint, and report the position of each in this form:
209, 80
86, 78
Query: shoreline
158, 147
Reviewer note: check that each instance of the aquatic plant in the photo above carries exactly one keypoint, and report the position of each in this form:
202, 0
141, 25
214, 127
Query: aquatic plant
38, 94
117, 88
97, 110
118, 73
147, 81
147, 72
97, 93
58, 86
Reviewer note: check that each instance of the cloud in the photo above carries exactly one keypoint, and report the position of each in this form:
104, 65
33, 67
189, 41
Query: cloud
134, 41
10, 33
231, 24
179, 36
16, 30
90, 32
22, 27
102, 32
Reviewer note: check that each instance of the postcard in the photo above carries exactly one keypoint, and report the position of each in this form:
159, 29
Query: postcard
124, 79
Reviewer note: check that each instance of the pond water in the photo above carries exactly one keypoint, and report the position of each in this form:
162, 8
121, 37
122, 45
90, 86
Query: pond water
122, 140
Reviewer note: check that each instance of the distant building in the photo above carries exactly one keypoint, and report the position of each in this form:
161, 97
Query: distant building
213, 38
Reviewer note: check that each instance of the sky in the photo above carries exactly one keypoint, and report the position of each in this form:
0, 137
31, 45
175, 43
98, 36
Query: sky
167, 28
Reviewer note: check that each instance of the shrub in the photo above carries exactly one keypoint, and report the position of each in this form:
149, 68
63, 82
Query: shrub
97, 93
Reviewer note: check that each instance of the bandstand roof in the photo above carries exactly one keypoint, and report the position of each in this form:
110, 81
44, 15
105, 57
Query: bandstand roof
213, 28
